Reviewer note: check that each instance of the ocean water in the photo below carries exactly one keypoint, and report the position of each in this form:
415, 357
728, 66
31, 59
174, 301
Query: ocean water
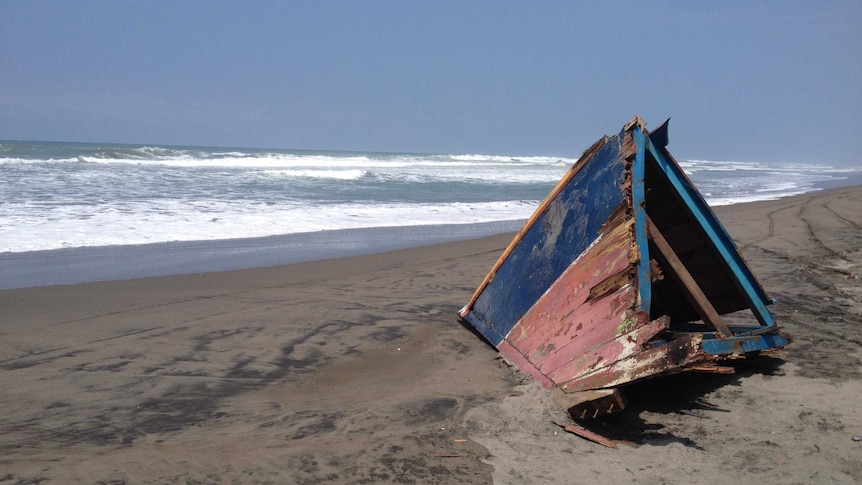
70, 195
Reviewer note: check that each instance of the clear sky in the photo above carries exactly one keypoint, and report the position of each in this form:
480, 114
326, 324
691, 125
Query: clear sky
740, 80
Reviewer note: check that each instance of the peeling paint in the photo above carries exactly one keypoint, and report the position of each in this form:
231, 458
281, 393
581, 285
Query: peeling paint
570, 299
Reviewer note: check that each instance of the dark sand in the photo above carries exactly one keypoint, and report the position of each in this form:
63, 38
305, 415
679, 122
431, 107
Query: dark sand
357, 370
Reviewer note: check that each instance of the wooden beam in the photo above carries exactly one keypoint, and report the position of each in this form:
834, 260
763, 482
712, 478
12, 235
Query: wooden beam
689, 286
587, 434
590, 404
712, 369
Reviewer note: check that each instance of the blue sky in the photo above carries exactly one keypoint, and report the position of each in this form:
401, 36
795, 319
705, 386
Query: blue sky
766, 81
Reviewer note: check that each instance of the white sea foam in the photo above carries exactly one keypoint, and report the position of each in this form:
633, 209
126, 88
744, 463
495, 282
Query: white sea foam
532, 160
30, 161
144, 222
88, 195
758, 197
309, 173
351, 168
184, 158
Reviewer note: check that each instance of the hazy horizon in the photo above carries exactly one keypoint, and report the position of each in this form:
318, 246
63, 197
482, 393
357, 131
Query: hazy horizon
767, 81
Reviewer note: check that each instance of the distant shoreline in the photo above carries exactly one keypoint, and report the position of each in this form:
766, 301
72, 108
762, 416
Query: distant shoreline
853, 179
112, 263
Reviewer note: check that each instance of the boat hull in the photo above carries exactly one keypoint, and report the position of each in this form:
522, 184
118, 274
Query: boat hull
623, 273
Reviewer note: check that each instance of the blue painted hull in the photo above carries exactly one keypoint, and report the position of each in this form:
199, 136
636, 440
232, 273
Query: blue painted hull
622, 274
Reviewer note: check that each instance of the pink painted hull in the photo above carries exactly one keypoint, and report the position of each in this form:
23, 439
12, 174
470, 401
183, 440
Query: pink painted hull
605, 284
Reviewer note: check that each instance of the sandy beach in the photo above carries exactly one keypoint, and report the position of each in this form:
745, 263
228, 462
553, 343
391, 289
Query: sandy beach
357, 370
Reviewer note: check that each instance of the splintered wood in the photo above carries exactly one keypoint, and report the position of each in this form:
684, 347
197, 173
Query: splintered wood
587, 434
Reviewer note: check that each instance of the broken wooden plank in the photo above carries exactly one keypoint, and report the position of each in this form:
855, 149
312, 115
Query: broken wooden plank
712, 369
611, 284
590, 404
689, 286
670, 357
587, 434
607, 353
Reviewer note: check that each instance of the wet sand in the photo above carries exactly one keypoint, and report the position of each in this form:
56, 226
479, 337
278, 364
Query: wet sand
356, 370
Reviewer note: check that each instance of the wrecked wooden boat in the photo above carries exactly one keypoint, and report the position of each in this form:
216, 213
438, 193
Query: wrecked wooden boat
623, 273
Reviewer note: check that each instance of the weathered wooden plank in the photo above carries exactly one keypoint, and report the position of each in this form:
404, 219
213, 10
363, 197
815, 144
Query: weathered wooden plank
689, 286
670, 357
687, 238
587, 434
553, 318
590, 404
567, 177
638, 202
611, 284
753, 291
740, 345
727, 301
517, 358
711, 369
596, 323
698, 260
590, 325
569, 223
607, 354
713, 281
